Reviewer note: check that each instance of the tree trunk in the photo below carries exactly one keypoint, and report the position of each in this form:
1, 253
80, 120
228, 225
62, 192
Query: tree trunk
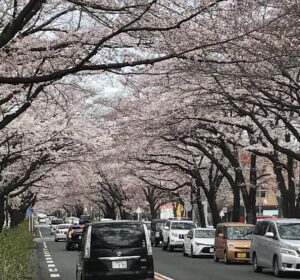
2, 213
214, 209
236, 205
251, 205
292, 190
16, 216
200, 208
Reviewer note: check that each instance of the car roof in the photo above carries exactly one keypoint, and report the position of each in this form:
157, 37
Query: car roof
182, 221
201, 228
115, 222
232, 224
282, 220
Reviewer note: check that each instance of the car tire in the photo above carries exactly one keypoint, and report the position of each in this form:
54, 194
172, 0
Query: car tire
226, 261
277, 271
192, 252
183, 251
68, 247
256, 267
56, 240
169, 247
216, 259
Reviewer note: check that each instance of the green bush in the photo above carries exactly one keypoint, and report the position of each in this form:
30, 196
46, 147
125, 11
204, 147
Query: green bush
15, 253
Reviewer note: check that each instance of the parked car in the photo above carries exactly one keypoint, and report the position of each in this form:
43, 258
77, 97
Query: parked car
115, 250
54, 224
174, 232
156, 229
85, 219
73, 237
232, 242
276, 244
61, 232
199, 242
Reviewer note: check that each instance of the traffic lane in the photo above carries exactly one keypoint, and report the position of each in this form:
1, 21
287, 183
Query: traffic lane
64, 260
178, 267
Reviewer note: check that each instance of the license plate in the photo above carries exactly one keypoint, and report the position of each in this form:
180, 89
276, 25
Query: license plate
241, 255
211, 250
119, 264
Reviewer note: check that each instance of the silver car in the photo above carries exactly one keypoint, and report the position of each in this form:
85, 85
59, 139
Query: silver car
276, 244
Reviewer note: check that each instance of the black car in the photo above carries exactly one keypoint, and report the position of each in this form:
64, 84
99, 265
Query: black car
115, 250
156, 231
73, 237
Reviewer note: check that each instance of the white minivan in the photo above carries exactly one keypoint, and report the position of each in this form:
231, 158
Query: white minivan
276, 244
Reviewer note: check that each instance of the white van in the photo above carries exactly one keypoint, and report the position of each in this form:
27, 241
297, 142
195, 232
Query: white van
276, 244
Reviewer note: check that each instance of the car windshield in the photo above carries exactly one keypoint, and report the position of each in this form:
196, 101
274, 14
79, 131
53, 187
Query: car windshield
63, 226
289, 231
112, 236
56, 222
239, 233
204, 234
182, 225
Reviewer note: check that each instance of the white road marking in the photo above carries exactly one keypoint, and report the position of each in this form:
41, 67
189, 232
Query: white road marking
48, 258
54, 275
163, 276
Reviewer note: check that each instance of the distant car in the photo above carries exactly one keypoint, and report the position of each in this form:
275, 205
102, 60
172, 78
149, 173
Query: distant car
61, 232
199, 242
54, 224
86, 219
174, 232
276, 244
73, 237
156, 229
115, 250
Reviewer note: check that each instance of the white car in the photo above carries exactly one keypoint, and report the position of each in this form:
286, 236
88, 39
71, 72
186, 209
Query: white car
174, 232
199, 242
61, 232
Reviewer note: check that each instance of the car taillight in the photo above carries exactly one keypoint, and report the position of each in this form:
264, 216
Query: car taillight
148, 242
87, 247
70, 233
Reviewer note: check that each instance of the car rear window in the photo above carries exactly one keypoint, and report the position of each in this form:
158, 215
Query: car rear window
182, 225
204, 233
63, 226
112, 236
56, 222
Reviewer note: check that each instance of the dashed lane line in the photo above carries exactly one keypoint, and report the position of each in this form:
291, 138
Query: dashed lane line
50, 263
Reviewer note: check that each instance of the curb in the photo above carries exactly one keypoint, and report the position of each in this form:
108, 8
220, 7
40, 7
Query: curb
158, 276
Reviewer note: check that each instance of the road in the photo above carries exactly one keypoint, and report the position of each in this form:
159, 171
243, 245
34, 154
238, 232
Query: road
54, 262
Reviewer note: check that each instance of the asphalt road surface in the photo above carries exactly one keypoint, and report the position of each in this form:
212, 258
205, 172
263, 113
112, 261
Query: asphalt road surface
53, 261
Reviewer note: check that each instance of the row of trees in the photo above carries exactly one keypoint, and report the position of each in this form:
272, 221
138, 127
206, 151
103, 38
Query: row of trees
199, 85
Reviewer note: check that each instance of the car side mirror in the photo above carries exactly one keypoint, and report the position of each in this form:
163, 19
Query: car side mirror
221, 235
165, 227
270, 235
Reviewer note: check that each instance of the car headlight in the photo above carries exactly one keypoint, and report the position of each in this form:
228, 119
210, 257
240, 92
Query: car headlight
288, 250
174, 234
230, 245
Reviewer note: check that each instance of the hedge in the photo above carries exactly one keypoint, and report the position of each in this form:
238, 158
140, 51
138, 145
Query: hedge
15, 253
